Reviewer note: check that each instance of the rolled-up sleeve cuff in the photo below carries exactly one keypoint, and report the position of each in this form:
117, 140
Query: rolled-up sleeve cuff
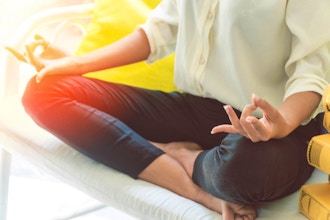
161, 37
306, 84
153, 55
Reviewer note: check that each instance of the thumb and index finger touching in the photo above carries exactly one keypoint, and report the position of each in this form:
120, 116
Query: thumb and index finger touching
267, 109
29, 56
258, 102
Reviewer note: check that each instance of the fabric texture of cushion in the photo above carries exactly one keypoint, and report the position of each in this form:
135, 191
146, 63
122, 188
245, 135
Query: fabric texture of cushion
112, 20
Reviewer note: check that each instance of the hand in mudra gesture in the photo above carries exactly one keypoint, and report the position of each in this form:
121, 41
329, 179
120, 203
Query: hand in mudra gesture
34, 56
270, 125
42, 55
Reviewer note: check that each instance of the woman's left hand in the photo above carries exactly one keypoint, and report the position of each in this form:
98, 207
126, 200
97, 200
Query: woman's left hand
251, 127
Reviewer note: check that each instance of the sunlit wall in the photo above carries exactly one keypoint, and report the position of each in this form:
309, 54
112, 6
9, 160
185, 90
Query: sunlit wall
14, 12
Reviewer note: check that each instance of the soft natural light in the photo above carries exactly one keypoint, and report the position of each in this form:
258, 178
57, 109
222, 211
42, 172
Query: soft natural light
32, 193
14, 12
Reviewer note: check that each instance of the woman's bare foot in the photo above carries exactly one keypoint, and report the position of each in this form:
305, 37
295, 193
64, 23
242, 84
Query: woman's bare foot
240, 212
174, 177
231, 211
228, 210
185, 153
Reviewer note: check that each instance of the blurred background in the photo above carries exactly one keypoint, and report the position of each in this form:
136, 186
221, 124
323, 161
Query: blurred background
34, 195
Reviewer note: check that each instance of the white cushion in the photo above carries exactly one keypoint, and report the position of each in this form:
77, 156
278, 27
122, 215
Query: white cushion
21, 136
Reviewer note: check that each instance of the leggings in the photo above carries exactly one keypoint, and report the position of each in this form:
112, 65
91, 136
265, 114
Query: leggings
113, 124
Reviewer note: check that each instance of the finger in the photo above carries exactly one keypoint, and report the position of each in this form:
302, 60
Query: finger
247, 111
227, 213
259, 127
246, 217
224, 128
41, 74
246, 125
42, 40
38, 41
249, 217
235, 121
247, 212
238, 217
253, 130
16, 54
34, 45
39, 37
266, 108
32, 59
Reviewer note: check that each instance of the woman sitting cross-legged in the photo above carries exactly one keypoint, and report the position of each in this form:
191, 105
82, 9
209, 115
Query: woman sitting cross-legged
214, 142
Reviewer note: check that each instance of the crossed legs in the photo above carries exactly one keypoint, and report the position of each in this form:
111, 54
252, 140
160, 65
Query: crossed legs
100, 119
176, 168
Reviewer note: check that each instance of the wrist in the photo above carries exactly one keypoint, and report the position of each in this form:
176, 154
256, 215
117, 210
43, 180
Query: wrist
78, 65
284, 127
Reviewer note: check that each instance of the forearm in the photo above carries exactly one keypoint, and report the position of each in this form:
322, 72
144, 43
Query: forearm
296, 109
132, 48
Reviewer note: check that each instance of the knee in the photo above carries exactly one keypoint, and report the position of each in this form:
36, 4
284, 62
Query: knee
235, 149
37, 97
30, 96
240, 160
235, 175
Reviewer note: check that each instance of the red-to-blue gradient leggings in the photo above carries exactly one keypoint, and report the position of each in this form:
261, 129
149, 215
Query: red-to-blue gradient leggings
112, 124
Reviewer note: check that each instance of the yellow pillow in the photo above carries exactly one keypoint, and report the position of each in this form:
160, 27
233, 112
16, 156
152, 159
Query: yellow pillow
114, 19
326, 107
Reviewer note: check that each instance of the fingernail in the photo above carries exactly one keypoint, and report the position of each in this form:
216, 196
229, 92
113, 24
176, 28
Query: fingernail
255, 96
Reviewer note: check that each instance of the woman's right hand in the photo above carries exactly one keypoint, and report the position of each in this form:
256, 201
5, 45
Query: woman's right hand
64, 65
50, 61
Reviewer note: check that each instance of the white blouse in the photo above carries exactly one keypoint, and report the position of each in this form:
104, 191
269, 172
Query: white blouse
229, 49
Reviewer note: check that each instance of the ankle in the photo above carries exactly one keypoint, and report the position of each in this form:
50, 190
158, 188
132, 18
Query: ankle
188, 161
